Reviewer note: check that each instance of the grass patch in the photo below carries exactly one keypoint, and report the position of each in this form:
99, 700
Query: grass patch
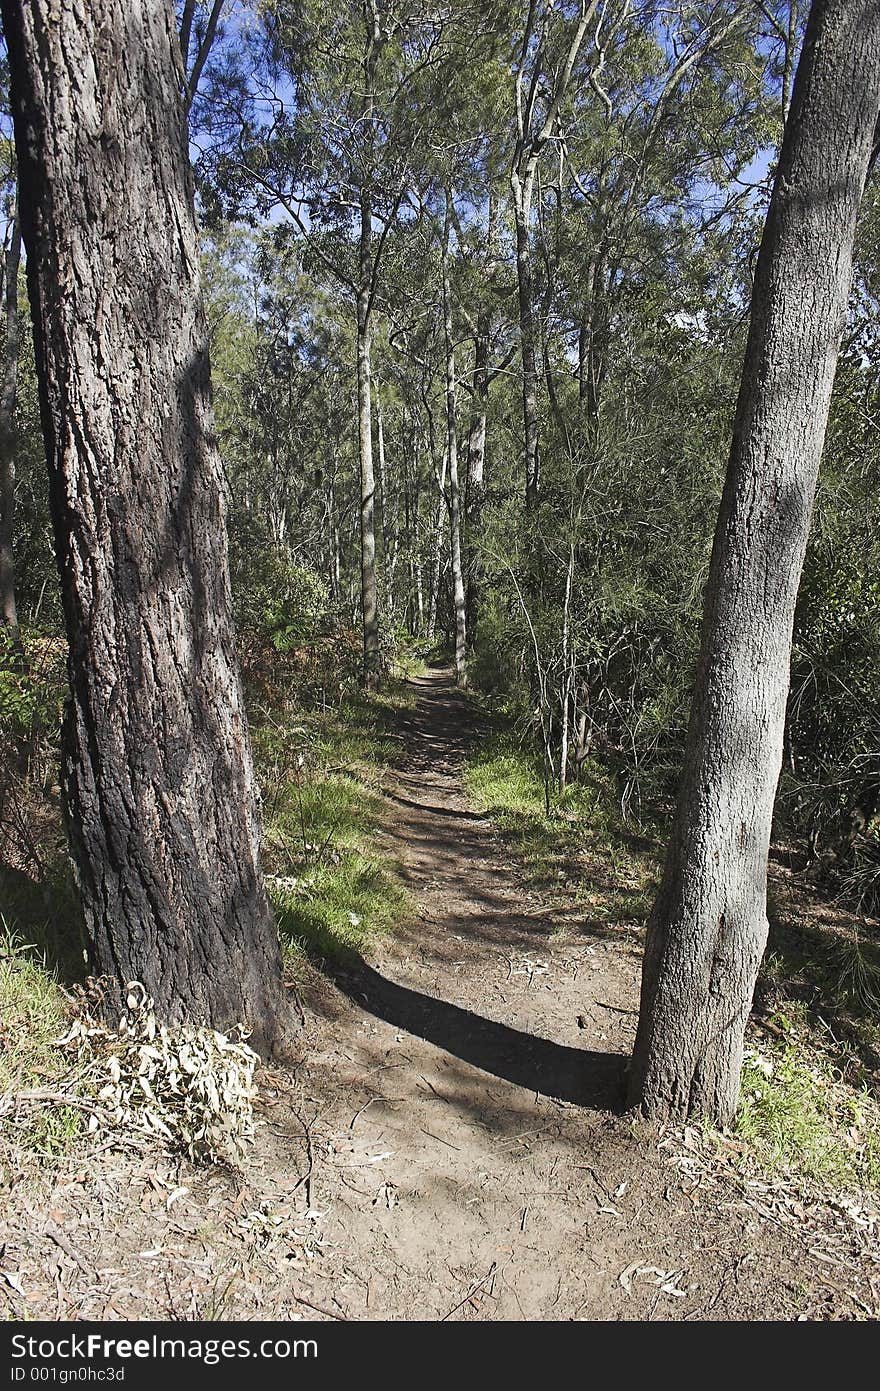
583, 845
340, 908
802, 1116
332, 888
34, 1014
823, 963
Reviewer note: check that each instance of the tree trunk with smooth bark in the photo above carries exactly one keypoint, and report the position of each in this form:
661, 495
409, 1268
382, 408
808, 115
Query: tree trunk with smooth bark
527, 336
708, 930
161, 802
458, 594
475, 484
8, 391
367, 271
437, 552
372, 665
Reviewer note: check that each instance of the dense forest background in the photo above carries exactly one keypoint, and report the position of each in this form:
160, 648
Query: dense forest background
539, 366
467, 327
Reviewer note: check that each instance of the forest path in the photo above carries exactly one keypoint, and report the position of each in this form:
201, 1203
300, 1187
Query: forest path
451, 1144
469, 1155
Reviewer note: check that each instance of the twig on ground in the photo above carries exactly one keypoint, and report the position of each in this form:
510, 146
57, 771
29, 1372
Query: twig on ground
319, 1309
54, 1233
490, 1275
440, 1138
310, 1159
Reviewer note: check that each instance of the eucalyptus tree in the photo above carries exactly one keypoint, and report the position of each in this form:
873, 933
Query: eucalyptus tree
199, 29
649, 158
784, 20
281, 345
338, 159
485, 292
708, 930
161, 804
464, 212
458, 588
420, 343
642, 168
198, 32
548, 46
8, 433
411, 366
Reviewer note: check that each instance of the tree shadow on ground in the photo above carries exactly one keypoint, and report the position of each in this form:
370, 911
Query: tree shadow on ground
581, 1076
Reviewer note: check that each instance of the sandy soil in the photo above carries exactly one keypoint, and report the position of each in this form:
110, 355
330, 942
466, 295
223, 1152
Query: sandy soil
453, 1144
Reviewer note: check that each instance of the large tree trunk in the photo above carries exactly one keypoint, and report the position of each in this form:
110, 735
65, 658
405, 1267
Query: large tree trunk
709, 927
8, 607
160, 795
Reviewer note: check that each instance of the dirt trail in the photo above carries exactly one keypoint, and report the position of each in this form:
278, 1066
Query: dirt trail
475, 1141
452, 1145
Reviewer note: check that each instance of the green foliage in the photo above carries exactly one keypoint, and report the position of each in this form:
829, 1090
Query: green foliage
581, 845
288, 602
38, 593
801, 1118
629, 518
36, 885
32, 688
833, 705
34, 1013
338, 907
831, 788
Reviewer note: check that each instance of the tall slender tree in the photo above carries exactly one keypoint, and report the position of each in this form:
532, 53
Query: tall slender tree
8, 391
549, 48
161, 802
458, 594
708, 931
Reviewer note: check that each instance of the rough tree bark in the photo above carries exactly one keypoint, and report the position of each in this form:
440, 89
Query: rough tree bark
708, 930
160, 795
8, 389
